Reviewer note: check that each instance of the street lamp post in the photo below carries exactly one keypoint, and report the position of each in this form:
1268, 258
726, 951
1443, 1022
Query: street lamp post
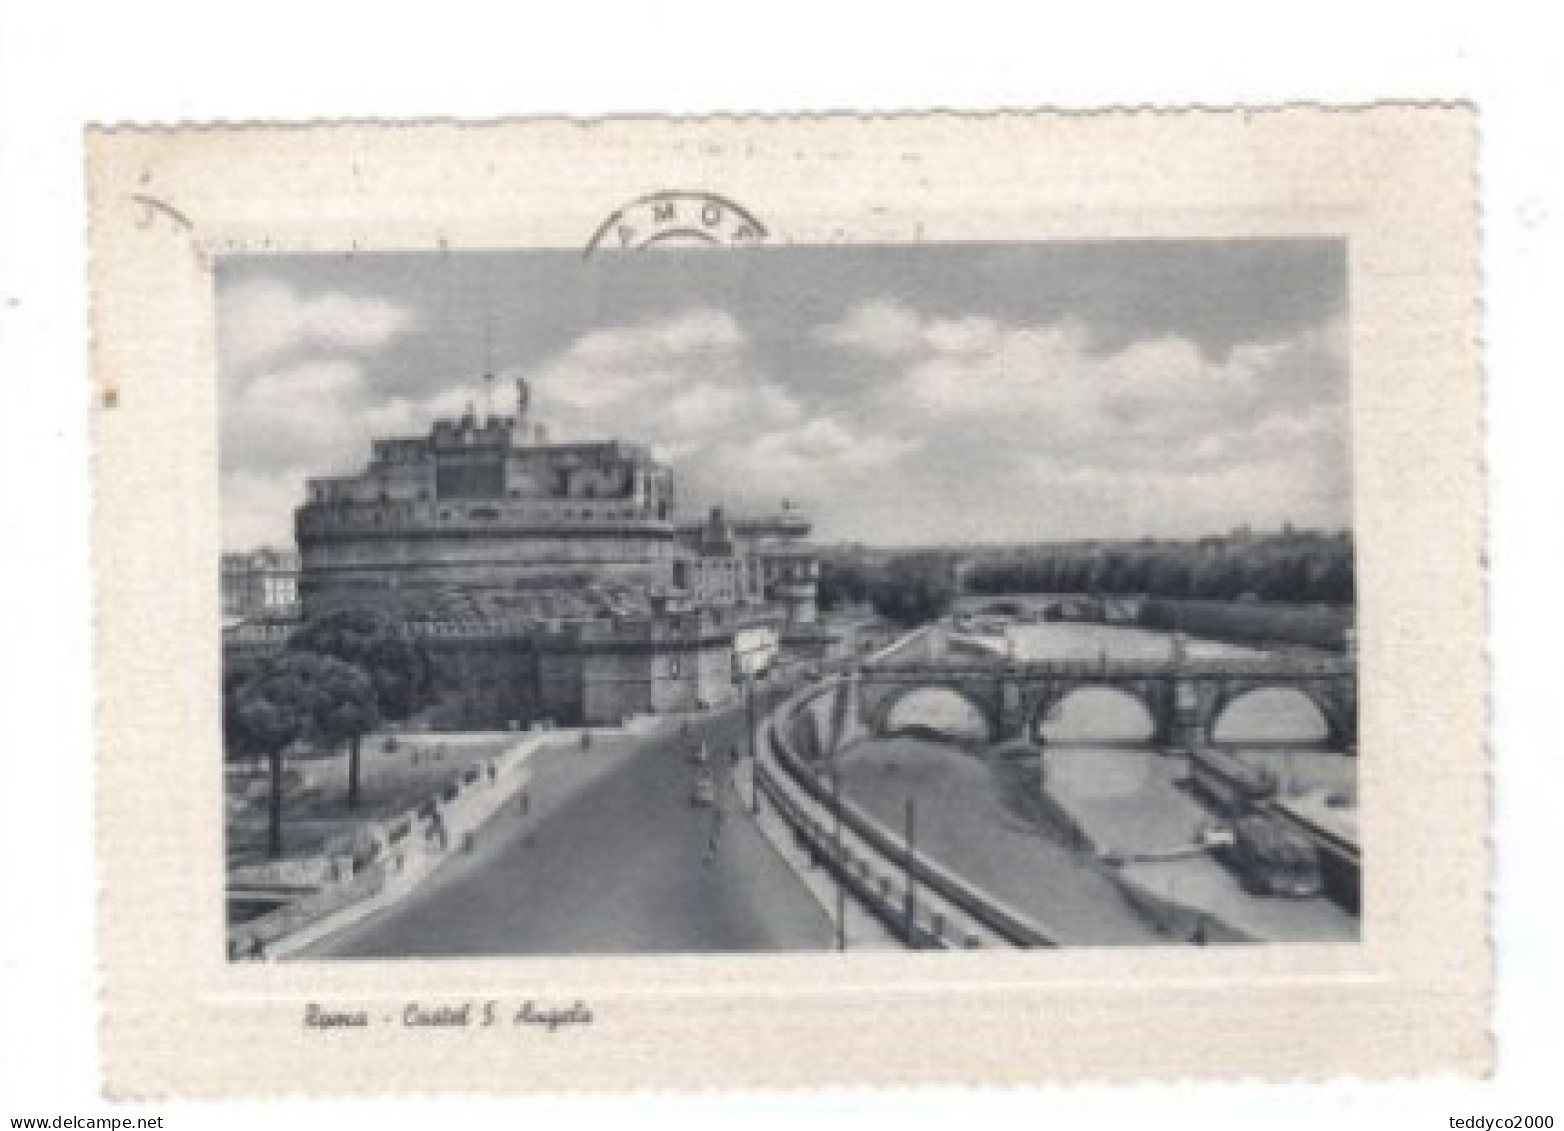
754, 761
911, 879
836, 833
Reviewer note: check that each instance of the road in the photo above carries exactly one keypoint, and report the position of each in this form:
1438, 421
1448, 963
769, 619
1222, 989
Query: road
609, 858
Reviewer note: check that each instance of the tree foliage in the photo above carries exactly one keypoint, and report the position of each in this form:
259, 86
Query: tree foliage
843, 583
1297, 567
397, 668
298, 697
914, 590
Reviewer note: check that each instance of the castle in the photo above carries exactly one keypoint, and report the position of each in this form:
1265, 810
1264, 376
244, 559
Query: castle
546, 580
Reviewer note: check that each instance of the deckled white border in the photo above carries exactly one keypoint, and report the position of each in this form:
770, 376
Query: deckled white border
1397, 180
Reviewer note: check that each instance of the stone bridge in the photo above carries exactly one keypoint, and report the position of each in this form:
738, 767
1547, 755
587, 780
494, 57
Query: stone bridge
1185, 697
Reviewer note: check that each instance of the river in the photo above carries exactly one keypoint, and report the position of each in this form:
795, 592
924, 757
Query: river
1099, 764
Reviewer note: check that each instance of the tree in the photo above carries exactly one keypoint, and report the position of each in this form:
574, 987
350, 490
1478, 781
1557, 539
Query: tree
1301, 567
396, 666
298, 697
1337, 583
371, 641
841, 583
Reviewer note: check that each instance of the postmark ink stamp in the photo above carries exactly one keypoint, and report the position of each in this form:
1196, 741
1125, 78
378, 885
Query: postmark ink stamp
677, 218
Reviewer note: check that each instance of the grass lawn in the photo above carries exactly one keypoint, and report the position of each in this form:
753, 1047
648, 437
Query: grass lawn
315, 806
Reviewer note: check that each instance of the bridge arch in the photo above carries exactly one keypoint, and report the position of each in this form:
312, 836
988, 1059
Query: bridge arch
1051, 703
880, 716
1334, 715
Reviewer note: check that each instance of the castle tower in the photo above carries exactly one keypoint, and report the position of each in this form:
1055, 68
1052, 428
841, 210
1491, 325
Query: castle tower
484, 507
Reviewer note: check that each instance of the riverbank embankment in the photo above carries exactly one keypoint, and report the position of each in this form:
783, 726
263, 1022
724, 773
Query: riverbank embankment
1135, 806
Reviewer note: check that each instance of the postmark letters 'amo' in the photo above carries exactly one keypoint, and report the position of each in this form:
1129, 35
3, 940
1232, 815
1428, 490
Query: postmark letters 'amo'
677, 218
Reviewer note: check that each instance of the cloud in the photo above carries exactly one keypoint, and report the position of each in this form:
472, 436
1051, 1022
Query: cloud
691, 376
606, 369
979, 375
695, 386
297, 394
1154, 436
883, 329
263, 318
305, 414
819, 450
889, 423
258, 507
409, 416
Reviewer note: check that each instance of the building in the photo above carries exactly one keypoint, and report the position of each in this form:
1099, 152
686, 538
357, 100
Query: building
260, 583
545, 581
486, 515
597, 672
755, 650
712, 569
486, 504
778, 567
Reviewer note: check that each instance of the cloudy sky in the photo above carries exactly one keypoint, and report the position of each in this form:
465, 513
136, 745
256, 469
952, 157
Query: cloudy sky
908, 394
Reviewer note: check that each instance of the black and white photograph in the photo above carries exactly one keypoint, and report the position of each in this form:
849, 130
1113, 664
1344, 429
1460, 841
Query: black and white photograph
655, 597
695, 561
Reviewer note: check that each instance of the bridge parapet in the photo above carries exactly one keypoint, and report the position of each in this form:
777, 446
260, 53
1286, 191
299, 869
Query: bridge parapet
1185, 697
1234, 667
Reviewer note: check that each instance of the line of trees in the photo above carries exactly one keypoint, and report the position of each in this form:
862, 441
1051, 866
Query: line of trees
340, 677
1289, 567
911, 590
843, 583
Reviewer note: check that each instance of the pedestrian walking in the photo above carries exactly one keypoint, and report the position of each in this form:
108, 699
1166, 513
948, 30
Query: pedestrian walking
523, 803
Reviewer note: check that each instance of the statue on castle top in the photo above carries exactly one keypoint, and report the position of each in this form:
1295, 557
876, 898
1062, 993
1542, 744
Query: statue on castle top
523, 396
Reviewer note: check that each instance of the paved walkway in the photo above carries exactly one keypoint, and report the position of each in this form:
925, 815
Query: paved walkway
610, 857
863, 930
